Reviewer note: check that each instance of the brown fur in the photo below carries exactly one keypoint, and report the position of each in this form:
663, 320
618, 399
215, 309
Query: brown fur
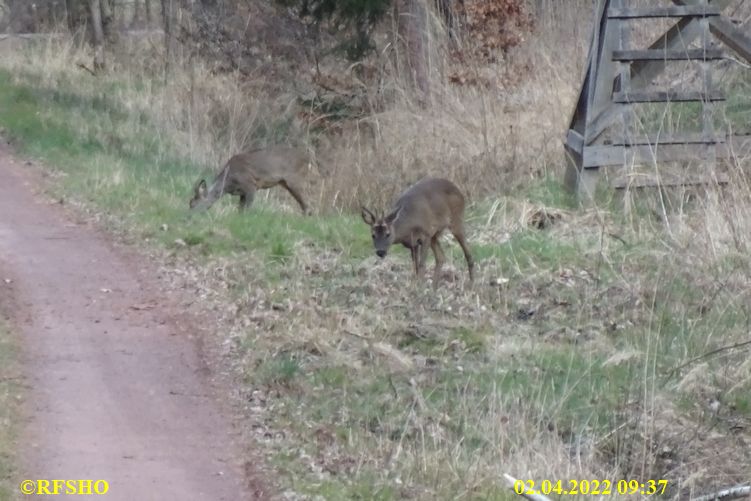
419, 217
253, 170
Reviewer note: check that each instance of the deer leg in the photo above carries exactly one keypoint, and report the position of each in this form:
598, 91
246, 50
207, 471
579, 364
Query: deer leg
422, 254
295, 191
440, 258
413, 254
459, 236
246, 200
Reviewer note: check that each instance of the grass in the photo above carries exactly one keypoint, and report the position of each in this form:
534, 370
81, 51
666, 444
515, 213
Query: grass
583, 350
9, 401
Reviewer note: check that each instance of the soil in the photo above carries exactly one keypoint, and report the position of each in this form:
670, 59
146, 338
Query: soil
117, 386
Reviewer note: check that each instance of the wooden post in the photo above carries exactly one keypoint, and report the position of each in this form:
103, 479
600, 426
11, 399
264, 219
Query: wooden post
624, 86
578, 179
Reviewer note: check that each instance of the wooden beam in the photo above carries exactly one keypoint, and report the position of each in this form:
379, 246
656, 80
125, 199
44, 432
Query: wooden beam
678, 37
579, 115
736, 39
668, 55
737, 146
652, 181
613, 155
666, 96
602, 90
575, 141
665, 139
698, 10
600, 123
724, 30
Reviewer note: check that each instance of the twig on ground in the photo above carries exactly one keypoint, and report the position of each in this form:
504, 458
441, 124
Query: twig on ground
83, 66
736, 492
511, 481
617, 237
707, 355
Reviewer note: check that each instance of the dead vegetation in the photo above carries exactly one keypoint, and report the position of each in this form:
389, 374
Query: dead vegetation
600, 343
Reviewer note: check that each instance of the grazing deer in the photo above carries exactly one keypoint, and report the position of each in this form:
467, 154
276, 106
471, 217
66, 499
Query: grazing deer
254, 170
419, 216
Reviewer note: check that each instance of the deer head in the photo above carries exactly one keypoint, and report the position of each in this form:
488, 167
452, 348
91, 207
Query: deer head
381, 229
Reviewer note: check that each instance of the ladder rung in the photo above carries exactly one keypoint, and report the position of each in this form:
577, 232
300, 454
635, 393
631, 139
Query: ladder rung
668, 55
657, 140
667, 181
666, 96
664, 11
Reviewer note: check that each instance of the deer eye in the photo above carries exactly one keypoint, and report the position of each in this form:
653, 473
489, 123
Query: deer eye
388, 234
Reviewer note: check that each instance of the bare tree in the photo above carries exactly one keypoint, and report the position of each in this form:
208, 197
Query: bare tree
168, 23
137, 20
95, 9
108, 21
411, 19
149, 12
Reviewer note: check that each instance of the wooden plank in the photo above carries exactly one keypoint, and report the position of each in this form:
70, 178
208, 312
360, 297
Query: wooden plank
736, 39
668, 55
600, 123
583, 103
575, 141
736, 146
627, 111
664, 11
678, 37
606, 68
651, 181
661, 140
613, 155
602, 156
578, 180
707, 87
666, 96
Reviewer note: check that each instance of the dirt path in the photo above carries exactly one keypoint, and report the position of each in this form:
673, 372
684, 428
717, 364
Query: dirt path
117, 389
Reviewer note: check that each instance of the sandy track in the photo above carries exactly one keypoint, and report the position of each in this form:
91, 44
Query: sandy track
117, 388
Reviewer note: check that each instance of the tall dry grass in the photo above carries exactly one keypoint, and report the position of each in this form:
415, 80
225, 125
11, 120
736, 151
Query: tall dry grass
489, 139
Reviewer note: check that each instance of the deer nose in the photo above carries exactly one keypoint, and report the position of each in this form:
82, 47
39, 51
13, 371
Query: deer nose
381, 253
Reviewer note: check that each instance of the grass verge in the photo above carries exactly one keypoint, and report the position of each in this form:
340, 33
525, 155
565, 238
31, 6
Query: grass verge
9, 407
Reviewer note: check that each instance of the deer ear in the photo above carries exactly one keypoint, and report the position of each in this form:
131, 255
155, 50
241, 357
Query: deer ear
200, 188
392, 217
367, 216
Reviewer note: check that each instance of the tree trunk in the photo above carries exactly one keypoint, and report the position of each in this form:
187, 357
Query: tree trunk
168, 24
108, 21
96, 25
411, 29
137, 20
149, 13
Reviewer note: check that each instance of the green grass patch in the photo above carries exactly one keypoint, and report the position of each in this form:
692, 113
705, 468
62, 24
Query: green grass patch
10, 392
144, 189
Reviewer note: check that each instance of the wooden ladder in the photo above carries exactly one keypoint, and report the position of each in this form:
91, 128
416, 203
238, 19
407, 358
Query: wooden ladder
617, 78
625, 96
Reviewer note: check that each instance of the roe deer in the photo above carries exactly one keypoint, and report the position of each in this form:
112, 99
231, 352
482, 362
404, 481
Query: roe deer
419, 216
254, 170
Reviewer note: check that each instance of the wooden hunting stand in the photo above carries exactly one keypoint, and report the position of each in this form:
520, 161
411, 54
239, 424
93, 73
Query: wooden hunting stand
618, 76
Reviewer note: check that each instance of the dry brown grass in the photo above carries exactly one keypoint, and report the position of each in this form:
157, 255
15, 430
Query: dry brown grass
488, 140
